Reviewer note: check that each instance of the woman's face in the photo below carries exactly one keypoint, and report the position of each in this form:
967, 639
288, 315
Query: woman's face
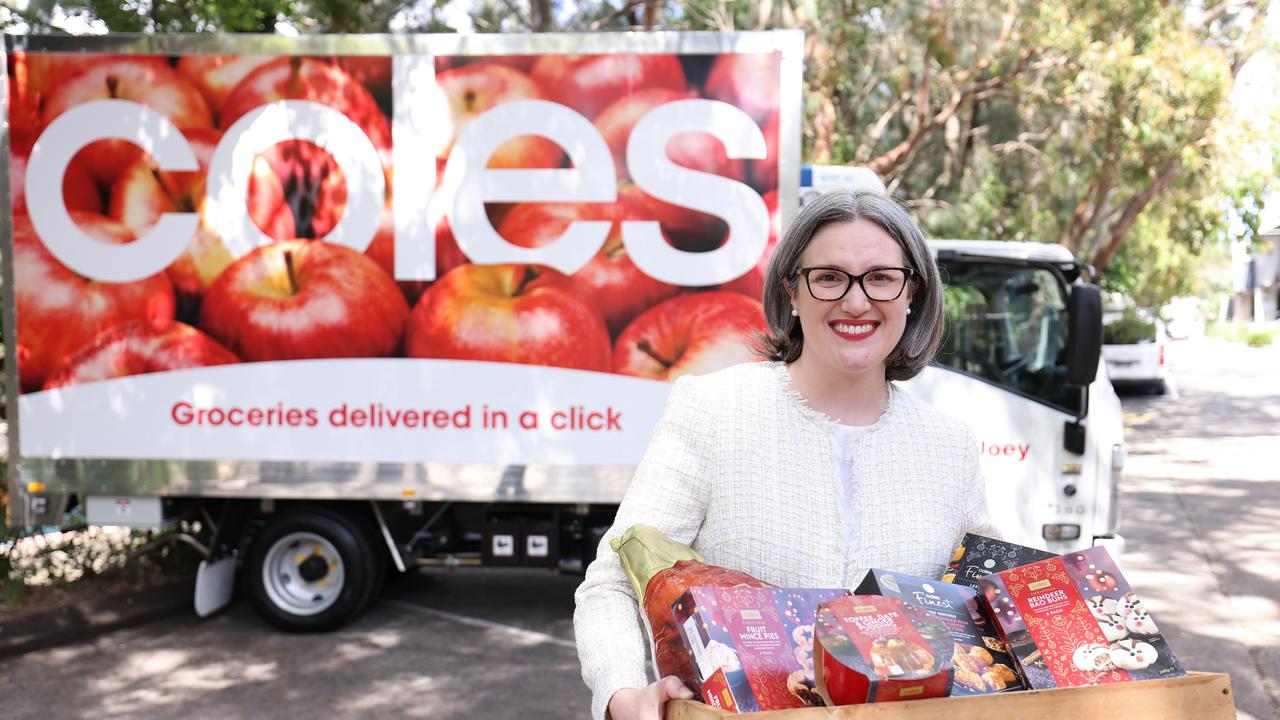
853, 334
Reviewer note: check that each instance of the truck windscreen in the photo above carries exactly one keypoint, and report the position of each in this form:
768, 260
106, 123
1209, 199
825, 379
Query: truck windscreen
1007, 324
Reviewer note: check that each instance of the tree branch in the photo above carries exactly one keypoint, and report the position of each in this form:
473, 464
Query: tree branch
620, 12
882, 122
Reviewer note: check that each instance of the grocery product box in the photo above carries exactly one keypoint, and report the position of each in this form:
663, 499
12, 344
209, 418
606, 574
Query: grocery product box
979, 556
870, 648
1073, 620
981, 662
752, 648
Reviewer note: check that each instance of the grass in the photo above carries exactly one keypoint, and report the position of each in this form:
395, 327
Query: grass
1245, 333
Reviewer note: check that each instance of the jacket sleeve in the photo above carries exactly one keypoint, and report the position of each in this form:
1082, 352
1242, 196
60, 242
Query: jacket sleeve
669, 492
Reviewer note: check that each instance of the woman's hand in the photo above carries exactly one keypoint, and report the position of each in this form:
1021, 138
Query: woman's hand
647, 703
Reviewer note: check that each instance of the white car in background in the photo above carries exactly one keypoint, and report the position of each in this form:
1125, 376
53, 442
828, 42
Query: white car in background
1134, 345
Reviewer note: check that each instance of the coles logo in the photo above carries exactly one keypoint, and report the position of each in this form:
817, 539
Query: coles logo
600, 212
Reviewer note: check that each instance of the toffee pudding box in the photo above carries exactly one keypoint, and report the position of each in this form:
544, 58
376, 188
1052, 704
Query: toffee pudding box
981, 663
979, 556
752, 648
1073, 620
871, 648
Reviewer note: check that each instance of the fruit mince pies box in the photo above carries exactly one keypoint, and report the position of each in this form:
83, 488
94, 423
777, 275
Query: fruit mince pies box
1073, 620
979, 556
981, 663
752, 648
871, 648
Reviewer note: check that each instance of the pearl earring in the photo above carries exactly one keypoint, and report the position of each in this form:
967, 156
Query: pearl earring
908, 311
796, 313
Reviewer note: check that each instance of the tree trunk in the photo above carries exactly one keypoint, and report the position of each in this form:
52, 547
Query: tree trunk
1132, 210
1095, 198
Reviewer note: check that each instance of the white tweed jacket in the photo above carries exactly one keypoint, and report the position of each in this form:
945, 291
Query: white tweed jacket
742, 469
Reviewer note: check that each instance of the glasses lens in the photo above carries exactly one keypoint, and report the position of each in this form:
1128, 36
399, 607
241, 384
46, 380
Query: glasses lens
884, 284
827, 284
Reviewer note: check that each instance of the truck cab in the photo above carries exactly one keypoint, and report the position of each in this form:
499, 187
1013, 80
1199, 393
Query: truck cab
1020, 363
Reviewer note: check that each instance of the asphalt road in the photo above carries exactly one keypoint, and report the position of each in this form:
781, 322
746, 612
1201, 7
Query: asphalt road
1201, 512
438, 646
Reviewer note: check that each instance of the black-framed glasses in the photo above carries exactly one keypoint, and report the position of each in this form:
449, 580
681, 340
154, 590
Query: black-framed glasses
879, 284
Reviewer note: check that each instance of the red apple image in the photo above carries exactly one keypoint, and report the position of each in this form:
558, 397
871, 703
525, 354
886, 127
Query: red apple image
300, 78
764, 173
143, 193
59, 311
141, 347
685, 229
215, 76
752, 283
79, 191
610, 281
591, 83
306, 183
523, 63
314, 189
690, 335
33, 75
304, 299
473, 90
695, 150
373, 72
157, 86
508, 313
748, 81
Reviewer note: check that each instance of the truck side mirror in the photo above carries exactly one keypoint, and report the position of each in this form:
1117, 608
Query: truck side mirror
1084, 334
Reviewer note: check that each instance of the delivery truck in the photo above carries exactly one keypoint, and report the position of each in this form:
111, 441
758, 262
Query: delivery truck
351, 305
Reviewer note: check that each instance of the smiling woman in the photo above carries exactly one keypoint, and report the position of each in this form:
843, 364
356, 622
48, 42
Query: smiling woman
810, 469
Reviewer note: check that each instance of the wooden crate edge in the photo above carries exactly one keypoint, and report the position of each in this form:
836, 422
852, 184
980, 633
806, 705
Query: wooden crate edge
1195, 696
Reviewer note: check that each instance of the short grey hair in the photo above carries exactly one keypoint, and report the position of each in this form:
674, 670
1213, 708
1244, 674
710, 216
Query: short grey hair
919, 343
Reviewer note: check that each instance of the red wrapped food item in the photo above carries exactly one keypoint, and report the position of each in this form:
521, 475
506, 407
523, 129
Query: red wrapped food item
664, 589
661, 570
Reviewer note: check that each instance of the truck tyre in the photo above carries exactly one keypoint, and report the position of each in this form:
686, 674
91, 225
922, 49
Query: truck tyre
313, 569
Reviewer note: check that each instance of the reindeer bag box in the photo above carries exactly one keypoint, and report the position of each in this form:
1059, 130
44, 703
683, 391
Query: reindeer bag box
1073, 620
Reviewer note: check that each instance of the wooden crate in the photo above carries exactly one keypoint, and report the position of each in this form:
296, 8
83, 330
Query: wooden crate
1196, 696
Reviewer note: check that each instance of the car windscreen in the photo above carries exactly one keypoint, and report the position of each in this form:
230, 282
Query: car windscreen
1007, 324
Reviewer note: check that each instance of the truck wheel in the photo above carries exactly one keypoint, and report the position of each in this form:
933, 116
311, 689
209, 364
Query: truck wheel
313, 570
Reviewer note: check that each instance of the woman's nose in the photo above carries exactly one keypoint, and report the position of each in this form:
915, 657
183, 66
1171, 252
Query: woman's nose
856, 300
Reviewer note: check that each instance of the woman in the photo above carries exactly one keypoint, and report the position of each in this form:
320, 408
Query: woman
810, 469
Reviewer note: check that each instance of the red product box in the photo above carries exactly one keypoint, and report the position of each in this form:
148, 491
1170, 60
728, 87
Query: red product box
981, 663
869, 648
1073, 620
752, 648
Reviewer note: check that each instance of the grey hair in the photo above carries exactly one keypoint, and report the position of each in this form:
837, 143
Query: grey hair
919, 343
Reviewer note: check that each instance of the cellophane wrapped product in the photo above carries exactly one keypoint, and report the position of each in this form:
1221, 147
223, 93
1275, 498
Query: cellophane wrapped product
661, 570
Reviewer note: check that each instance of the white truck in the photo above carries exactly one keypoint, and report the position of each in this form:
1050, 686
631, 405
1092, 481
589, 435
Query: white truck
361, 303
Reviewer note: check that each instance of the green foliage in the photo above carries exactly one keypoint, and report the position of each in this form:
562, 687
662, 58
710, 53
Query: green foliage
1241, 332
1260, 338
1149, 268
1128, 329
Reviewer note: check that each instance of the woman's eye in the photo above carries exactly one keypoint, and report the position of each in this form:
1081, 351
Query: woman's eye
828, 278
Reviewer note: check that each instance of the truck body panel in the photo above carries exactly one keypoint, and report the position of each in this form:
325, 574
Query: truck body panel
409, 424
